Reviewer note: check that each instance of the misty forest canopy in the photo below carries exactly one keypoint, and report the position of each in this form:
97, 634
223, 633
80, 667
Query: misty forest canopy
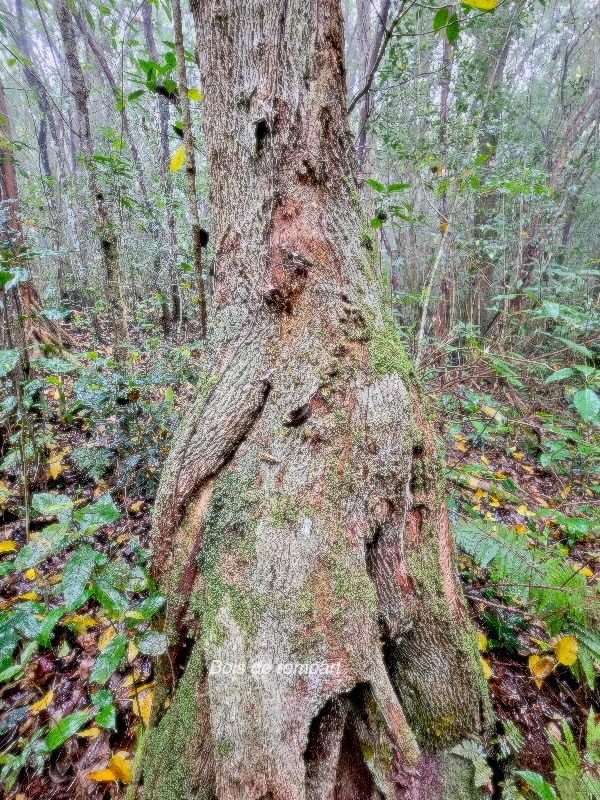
299, 400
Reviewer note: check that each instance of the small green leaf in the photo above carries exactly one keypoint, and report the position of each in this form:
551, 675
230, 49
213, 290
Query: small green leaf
64, 729
195, 94
108, 660
379, 187
136, 94
440, 19
146, 609
587, 404
107, 717
51, 539
152, 643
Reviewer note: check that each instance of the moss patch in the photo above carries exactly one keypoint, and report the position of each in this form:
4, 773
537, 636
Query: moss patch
387, 354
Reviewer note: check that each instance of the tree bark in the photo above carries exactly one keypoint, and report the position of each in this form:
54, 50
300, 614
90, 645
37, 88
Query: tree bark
301, 514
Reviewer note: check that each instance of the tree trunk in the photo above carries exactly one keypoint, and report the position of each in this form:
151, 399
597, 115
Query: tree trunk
109, 249
165, 175
301, 517
190, 163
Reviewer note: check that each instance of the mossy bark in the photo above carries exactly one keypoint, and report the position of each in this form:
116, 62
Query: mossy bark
300, 518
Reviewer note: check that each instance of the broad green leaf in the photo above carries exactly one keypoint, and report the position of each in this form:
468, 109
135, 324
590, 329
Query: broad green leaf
152, 643
102, 512
52, 505
575, 347
50, 540
76, 574
440, 18
481, 5
398, 187
64, 729
567, 372
8, 361
587, 404
102, 698
177, 158
136, 94
452, 29
108, 660
195, 94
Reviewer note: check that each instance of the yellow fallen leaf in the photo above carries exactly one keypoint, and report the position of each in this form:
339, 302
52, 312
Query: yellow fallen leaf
194, 94
4, 493
484, 460
518, 456
121, 767
177, 159
540, 667
587, 572
142, 704
8, 547
525, 512
500, 475
132, 652
462, 447
30, 574
55, 465
28, 596
102, 775
479, 493
528, 469
520, 529
135, 507
494, 413
106, 637
80, 623
565, 650
482, 642
42, 704
443, 226
89, 733
487, 670
494, 502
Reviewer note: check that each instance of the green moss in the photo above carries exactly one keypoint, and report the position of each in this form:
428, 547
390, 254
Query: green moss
171, 748
285, 512
367, 240
229, 527
387, 354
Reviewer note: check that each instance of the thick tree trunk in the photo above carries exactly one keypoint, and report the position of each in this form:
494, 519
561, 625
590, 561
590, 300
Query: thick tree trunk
300, 518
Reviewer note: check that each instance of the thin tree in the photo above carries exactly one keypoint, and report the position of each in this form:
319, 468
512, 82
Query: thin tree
105, 228
190, 163
319, 645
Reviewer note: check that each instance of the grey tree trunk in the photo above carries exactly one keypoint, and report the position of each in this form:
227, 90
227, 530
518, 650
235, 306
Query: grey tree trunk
301, 518
107, 235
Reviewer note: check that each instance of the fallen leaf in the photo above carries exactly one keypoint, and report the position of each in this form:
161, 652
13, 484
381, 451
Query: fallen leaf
135, 507
541, 667
565, 650
28, 596
89, 733
525, 512
30, 574
518, 456
177, 159
121, 767
482, 642
102, 775
520, 529
142, 705
106, 637
42, 704
487, 670
55, 465
8, 546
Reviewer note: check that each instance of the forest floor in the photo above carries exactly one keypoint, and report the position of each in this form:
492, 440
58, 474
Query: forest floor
519, 462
